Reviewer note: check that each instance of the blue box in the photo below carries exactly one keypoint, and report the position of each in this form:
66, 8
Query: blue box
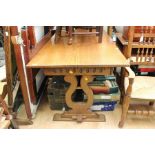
104, 106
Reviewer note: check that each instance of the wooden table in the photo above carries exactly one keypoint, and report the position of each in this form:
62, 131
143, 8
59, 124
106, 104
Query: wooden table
85, 58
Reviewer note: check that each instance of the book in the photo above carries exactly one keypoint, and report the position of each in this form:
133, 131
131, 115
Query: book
103, 78
146, 69
107, 87
100, 89
105, 97
103, 89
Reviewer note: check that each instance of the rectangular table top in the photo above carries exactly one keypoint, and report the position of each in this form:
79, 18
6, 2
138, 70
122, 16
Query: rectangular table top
85, 51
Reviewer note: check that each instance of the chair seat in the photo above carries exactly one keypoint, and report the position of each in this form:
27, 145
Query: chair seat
142, 88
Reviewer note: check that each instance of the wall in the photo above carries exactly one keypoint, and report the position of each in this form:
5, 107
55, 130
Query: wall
39, 32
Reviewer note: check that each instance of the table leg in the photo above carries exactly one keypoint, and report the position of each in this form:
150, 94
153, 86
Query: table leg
79, 110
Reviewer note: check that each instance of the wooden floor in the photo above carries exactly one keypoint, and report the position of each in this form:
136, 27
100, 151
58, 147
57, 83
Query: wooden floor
44, 120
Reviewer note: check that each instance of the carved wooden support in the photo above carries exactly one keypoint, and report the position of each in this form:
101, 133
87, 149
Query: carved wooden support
79, 110
84, 81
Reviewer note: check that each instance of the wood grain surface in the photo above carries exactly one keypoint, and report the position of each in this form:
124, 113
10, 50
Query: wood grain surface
84, 51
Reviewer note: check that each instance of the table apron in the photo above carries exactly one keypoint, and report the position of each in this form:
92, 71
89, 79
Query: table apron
78, 71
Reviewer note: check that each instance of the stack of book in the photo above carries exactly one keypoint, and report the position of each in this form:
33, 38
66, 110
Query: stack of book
146, 70
142, 70
56, 89
106, 93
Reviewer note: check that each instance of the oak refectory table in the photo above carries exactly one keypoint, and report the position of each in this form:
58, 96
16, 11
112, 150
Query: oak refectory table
85, 58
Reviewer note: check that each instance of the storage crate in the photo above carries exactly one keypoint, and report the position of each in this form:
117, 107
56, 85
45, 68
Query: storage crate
56, 90
56, 104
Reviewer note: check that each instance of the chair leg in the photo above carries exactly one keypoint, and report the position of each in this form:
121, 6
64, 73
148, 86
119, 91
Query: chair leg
58, 33
97, 30
126, 102
66, 27
125, 108
100, 34
122, 75
70, 35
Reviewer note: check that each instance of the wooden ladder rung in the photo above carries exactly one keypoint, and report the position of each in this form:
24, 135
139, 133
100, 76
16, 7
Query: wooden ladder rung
145, 110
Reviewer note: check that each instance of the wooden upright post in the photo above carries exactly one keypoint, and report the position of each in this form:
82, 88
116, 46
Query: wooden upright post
22, 71
9, 77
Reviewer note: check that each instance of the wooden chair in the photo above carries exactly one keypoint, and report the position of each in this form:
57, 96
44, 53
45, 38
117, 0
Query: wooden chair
98, 31
31, 88
12, 81
139, 88
86, 30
